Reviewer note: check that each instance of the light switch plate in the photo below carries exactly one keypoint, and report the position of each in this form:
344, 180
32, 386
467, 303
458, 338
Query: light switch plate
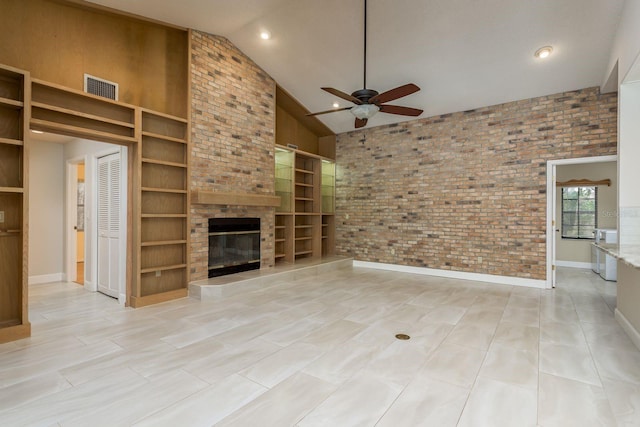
1, 216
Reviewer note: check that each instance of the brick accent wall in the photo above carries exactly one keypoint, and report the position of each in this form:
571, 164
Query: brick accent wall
232, 137
465, 191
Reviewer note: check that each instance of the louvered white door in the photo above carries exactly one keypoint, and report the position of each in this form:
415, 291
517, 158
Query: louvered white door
109, 192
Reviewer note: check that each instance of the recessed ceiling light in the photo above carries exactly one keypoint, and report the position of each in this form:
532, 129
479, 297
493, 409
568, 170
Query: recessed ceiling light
543, 52
265, 35
336, 105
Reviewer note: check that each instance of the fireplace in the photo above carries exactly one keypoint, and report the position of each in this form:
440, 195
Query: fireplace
234, 245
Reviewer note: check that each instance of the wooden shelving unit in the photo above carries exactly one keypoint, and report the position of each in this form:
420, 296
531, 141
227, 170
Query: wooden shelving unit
14, 119
164, 203
304, 228
328, 191
64, 111
159, 174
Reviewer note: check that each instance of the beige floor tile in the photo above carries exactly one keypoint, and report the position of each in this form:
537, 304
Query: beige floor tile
517, 336
208, 406
566, 403
426, 402
361, 401
617, 364
568, 361
562, 333
454, 364
471, 335
282, 364
625, 401
183, 361
284, 405
496, 404
511, 366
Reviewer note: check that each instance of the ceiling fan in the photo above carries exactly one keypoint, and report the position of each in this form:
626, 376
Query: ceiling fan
368, 101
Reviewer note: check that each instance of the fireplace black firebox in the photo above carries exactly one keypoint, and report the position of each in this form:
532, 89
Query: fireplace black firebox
234, 245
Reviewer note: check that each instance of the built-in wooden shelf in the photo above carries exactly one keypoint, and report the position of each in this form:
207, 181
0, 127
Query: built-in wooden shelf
164, 215
164, 163
10, 141
163, 190
304, 171
11, 103
164, 137
162, 268
14, 161
11, 190
201, 197
81, 114
54, 127
163, 243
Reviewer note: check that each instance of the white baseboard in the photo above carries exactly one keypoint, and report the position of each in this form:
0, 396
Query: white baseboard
47, 278
478, 277
628, 328
574, 264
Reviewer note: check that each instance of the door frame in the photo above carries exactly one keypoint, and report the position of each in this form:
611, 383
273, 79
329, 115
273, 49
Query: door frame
551, 207
71, 174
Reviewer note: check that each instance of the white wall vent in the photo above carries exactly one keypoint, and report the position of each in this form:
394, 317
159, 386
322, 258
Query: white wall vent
101, 87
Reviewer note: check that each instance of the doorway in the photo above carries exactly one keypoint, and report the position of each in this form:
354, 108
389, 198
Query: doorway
64, 213
553, 225
76, 214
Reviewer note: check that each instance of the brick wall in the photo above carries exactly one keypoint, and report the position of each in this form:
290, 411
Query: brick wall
233, 126
465, 191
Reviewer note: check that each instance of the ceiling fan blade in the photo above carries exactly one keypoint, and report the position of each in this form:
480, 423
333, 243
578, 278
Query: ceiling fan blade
396, 93
402, 111
328, 111
342, 95
360, 122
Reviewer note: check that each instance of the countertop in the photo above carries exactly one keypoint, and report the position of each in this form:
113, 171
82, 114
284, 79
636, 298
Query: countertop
630, 254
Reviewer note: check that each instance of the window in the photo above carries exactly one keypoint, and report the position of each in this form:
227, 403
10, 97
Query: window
579, 212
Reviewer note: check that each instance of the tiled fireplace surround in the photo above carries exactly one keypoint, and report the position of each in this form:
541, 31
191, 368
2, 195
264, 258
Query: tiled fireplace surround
492, 159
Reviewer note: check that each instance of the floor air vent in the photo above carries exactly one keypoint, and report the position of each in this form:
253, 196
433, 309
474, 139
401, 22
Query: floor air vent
100, 87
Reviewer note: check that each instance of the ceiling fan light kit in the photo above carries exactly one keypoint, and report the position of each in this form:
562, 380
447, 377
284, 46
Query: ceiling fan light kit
364, 111
368, 101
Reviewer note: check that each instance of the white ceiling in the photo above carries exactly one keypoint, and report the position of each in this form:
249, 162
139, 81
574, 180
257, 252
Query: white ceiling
464, 54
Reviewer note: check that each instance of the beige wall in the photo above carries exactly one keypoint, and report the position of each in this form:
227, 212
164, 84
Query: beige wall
46, 204
573, 250
465, 191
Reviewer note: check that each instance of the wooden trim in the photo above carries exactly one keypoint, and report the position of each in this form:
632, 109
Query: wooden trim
81, 114
55, 127
136, 286
14, 333
11, 103
165, 137
11, 141
137, 302
583, 183
304, 153
201, 197
83, 94
12, 189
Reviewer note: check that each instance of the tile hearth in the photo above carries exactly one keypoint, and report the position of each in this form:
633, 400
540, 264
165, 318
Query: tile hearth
320, 349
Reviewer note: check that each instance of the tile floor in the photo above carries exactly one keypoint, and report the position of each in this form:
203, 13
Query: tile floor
320, 351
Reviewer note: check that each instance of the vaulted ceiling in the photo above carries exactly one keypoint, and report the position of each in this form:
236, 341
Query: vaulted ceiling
463, 54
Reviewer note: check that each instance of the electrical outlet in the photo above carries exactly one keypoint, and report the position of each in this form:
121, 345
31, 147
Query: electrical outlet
1, 216
158, 273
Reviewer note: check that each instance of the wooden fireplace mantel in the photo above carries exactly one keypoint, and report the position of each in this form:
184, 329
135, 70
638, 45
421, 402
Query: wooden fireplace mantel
202, 197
